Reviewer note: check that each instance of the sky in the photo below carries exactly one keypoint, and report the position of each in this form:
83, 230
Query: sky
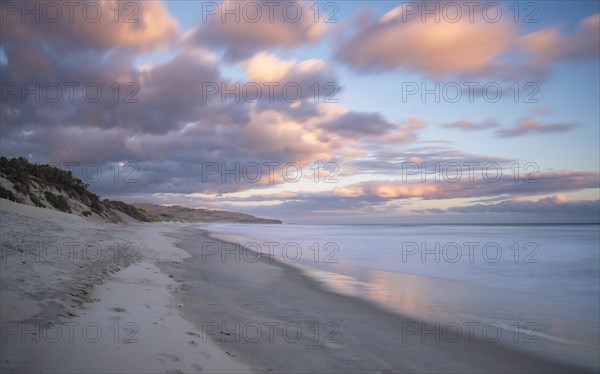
314, 111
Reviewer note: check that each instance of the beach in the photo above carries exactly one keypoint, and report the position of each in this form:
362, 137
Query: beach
85, 297
168, 304
288, 186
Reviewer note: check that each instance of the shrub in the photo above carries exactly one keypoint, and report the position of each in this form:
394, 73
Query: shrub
36, 200
96, 206
57, 201
131, 211
7, 194
22, 188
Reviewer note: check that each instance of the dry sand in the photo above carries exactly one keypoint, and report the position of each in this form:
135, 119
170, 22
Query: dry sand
82, 297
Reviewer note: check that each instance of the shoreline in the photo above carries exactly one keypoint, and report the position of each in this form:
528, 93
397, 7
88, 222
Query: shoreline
254, 302
522, 318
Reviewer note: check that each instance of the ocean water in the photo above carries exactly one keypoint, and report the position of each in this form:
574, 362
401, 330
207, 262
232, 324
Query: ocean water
535, 287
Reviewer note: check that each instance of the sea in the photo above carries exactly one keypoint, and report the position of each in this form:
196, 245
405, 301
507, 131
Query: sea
533, 287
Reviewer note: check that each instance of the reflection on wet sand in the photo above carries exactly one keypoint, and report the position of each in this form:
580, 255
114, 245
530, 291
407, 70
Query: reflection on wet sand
515, 318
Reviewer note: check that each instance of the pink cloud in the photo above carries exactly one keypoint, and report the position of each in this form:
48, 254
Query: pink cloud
468, 125
545, 183
529, 125
467, 48
267, 67
583, 210
437, 48
249, 34
141, 26
549, 45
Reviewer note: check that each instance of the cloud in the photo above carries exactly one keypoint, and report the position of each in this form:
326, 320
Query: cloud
442, 47
387, 190
174, 93
545, 46
139, 26
549, 44
359, 133
354, 124
294, 87
452, 186
542, 110
429, 210
468, 125
437, 48
387, 158
435, 210
527, 126
583, 209
550, 209
91, 68
156, 98
171, 160
267, 67
259, 26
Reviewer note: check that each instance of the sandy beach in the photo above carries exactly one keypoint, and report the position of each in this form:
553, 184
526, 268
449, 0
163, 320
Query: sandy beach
147, 298
84, 297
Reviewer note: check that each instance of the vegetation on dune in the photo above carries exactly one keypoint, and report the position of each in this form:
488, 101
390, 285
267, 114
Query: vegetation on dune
201, 215
138, 214
6, 194
36, 200
21, 188
57, 201
27, 178
22, 174
64, 192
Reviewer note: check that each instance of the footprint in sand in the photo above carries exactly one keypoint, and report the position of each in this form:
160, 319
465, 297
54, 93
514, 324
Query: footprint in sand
168, 357
118, 309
